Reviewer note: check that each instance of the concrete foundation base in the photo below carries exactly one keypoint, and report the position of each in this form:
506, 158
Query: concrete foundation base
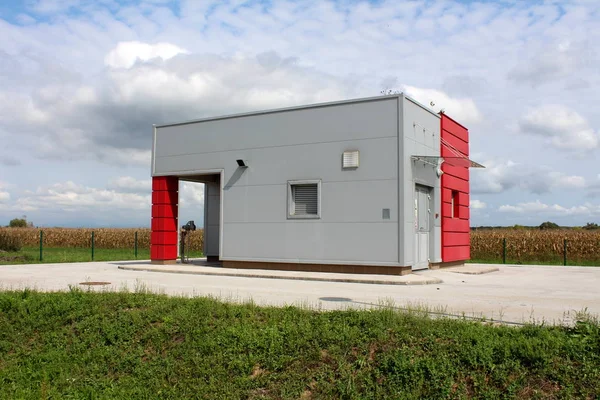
335, 268
451, 264
164, 262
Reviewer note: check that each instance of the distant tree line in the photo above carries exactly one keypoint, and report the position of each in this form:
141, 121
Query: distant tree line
20, 223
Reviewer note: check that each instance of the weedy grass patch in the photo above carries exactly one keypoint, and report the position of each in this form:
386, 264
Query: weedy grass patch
82, 344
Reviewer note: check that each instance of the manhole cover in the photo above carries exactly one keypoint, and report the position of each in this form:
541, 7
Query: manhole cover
94, 283
335, 299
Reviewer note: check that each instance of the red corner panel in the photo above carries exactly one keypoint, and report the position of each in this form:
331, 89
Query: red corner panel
163, 239
164, 197
455, 225
164, 211
163, 252
164, 224
165, 183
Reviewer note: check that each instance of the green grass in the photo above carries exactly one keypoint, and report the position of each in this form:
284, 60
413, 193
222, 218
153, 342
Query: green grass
62, 255
138, 345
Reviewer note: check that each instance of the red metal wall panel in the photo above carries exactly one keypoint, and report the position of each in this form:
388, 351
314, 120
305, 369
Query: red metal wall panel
454, 128
456, 239
457, 172
457, 143
456, 253
455, 226
453, 183
463, 199
446, 194
446, 208
163, 239
463, 212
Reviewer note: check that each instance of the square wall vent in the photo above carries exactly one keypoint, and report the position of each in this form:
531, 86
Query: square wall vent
350, 159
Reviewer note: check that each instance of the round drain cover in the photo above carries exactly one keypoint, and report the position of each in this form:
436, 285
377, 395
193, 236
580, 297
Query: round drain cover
94, 283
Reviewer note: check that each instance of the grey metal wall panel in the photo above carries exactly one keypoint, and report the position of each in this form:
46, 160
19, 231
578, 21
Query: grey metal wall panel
420, 132
310, 241
298, 145
280, 164
363, 120
212, 216
343, 202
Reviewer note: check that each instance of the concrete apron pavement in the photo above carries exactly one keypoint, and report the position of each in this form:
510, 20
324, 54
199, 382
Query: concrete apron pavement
513, 293
411, 279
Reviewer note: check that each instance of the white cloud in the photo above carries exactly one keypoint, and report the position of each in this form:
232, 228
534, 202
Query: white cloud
112, 120
191, 194
4, 196
477, 204
551, 62
130, 185
9, 161
537, 207
70, 196
461, 109
502, 175
126, 54
52, 6
562, 127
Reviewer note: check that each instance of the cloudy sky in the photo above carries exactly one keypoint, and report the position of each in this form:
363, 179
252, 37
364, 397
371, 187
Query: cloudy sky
82, 82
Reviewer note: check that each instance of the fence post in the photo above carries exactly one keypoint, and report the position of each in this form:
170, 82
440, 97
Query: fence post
504, 251
565, 253
41, 245
135, 245
92, 245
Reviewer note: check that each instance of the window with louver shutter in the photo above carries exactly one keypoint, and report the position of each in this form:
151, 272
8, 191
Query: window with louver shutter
304, 199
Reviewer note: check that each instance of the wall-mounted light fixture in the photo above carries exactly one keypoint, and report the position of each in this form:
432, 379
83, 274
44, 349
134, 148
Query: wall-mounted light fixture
242, 163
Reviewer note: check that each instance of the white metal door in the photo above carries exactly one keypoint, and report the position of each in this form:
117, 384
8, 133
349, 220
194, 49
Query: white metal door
422, 214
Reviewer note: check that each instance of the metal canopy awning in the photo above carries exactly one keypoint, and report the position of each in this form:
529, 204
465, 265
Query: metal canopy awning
457, 161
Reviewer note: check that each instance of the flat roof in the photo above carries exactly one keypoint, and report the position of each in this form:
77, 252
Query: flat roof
302, 107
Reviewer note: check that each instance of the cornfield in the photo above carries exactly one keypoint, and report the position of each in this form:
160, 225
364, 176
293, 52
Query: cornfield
104, 238
522, 245
535, 245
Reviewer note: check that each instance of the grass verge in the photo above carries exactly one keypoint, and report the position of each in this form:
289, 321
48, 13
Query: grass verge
31, 255
80, 344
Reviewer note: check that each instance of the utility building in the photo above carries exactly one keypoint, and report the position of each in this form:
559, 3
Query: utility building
377, 185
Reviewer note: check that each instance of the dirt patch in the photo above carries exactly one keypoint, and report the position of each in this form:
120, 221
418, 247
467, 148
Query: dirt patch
6, 256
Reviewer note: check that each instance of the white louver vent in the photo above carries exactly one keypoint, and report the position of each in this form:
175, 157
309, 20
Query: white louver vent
350, 159
304, 200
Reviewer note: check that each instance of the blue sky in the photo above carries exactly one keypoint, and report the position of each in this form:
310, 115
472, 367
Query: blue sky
81, 82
